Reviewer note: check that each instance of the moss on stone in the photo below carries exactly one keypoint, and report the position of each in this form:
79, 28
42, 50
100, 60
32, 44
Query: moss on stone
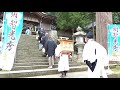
116, 70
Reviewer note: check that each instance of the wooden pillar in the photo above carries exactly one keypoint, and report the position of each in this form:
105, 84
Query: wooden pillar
102, 21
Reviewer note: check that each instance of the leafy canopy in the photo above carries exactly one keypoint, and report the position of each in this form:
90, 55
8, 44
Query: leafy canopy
71, 20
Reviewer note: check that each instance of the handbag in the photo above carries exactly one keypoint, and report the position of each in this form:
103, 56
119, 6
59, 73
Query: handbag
43, 50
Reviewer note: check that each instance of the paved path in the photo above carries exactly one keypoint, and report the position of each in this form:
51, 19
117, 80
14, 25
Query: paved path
82, 74
69, 75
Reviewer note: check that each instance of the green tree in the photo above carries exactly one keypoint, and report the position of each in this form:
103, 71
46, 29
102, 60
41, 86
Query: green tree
71, 20
116, 17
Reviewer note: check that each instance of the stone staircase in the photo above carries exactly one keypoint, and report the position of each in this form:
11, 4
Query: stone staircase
29, 61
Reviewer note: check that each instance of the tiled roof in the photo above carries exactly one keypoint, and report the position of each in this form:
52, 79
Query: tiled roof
44, 15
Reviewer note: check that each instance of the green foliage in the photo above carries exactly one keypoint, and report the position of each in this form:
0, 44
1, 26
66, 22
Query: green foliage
116, 69
71, 20
116, 17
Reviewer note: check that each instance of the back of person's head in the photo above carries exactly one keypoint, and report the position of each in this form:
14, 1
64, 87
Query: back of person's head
90, 35
49, 37
42, 29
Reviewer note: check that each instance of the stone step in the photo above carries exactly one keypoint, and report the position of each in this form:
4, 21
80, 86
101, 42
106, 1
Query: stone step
24, 61
30, 59
42, 63
31, 67
37, 72
27, 57
41, 72
22, 52
36, 45
31, 63
28, 49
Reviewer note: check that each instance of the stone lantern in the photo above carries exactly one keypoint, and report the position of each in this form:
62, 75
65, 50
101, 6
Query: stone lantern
79, 38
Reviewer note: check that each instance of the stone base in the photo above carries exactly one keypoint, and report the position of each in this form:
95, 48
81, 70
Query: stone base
75, 58
114, 62
79, 57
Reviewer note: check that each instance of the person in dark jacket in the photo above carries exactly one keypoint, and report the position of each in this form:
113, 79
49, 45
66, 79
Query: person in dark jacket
43, 42
41, 33
50, 47
44, 39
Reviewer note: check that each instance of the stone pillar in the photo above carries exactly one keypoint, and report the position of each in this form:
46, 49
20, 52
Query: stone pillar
79, 44
53, 32
80, 51
79, 35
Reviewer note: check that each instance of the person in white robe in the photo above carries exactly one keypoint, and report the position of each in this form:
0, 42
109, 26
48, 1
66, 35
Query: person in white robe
1, 58
63, 62
95, 56
1, 61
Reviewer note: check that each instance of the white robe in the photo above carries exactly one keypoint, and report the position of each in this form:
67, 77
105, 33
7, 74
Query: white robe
63, 63
1, 60
101, 56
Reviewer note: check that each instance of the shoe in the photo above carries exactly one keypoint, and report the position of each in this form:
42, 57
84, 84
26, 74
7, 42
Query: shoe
43, 55
62, 76
40, 49
65, 73
50, 67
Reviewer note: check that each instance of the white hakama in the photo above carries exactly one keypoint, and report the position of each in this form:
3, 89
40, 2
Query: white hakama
63, 64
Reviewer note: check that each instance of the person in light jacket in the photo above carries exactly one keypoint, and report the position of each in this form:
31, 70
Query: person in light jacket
95, 56
28, 31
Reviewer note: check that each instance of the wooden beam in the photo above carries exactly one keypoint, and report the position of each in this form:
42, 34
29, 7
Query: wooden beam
102, 20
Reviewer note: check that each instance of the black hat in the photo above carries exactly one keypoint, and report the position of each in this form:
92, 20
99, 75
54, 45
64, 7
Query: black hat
90, 34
